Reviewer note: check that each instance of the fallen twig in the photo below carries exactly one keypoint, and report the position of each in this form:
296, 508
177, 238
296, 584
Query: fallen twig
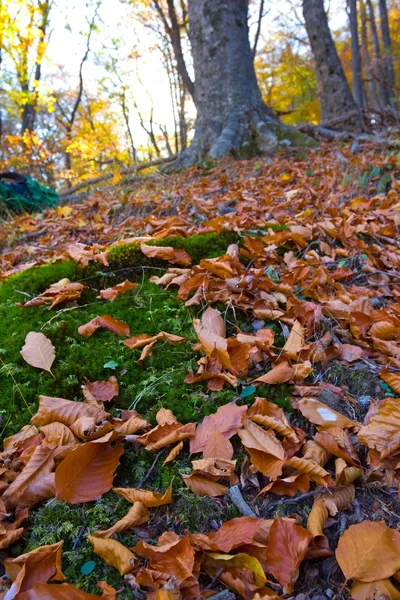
100, 178
149, 473
299, 498
235, 495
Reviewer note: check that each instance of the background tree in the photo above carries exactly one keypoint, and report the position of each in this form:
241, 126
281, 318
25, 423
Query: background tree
358, 86
334, 92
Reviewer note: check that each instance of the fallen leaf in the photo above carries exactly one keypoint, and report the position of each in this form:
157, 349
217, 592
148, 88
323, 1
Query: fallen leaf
87, 471
392, 380
376, 590
369, 551
101, 391
136, 516
278, 374
227, 421
38, 351
178, 257
117, 290
321, 414
174, 559
113, 553
174, 453
218, 446
117, 327
202, 486
147, 497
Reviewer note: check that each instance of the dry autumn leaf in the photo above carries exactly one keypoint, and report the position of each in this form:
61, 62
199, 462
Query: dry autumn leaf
136, 516
147, 497
113, 553
106, 321
101, 391
38, 351
117, 290
87, 471
369, 551
177, 257
227, 421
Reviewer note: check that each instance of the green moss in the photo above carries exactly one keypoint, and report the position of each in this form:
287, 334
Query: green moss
296, 138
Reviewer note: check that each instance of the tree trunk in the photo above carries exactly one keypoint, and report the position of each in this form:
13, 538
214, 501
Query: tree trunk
358, 87
387, 53
377, 66
372, 94
333, 89
231, 114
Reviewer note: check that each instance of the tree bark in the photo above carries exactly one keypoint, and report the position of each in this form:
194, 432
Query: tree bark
334, 91
372, 99
358, 86
387, 53
231, 113
377, 65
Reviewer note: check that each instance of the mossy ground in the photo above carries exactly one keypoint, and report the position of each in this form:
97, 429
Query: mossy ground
159, 382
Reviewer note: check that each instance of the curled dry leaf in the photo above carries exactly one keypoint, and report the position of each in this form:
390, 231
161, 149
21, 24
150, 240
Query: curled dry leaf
165, 435
289, 486
10, 537
295, 341
63, 591
58, 293
113, 553
280, 373
64, 411
148, 498
147, 342
87, 471
266, 451
391, 379
137, 515
174, 453
383, 430
375, 590
328, 504
369, 551
117, 290
38, 351
314, 471
177, 257
106, 321
241, 560
202, 486
338, 442
174, 558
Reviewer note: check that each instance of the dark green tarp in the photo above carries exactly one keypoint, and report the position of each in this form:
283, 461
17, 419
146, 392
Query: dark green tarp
19, 193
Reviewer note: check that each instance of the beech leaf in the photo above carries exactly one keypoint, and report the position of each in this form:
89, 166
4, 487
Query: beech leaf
38, 351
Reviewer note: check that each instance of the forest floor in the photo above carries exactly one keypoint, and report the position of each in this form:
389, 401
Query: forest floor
222, 349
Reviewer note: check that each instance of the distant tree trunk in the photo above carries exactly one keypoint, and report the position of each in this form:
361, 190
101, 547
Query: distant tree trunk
358, 87
230, 110
377, 66
387, 52
372, 95
334, 91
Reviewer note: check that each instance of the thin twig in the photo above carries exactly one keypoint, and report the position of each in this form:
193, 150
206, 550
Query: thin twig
214, 579
299, 498
80, 533
149, 473
235, 495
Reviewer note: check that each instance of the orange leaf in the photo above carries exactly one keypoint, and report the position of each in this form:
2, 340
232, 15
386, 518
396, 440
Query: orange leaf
102, 391
148, 498
383, 430
178, 257
289, 486
227, 420
174, 453
392, 380
350, 353
87, 471
38, 351
328, 504
39, 566
117, 290
383, 588
312, 469
321, 414
202, 486
295, 341
64, 411
117, 327
278, 374
218, 446
174, 559
65, 591
165, 435
137, 515
266, 451
57, 293
287, 547
369, 551
113, 553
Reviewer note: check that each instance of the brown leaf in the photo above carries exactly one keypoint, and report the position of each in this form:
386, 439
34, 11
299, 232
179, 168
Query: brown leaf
64, 411
376, 590
266, 451
174, 559
287, 547
178, 257
65, 591
39, 566
218, 446
321, 414
383, 430
338, 442
57, 293
289, 486
227, 421
113, 553
41, 463
10, 537
165, 435
392, 380
147, 342
202, 486
328, 504
350, 353
106, 321
38, 351
102, 391
174, 453
147, 497
137, 515
59, 434
312, 469
87, 471
117, 290
278, 374
369, 551
295, 341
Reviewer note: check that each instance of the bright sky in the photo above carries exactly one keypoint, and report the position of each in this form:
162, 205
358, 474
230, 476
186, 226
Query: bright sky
67, 43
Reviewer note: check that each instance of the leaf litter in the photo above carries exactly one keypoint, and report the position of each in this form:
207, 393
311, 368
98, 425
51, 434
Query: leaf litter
322, 271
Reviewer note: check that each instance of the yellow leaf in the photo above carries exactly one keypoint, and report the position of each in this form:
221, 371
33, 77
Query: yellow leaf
241, 560
113, 553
